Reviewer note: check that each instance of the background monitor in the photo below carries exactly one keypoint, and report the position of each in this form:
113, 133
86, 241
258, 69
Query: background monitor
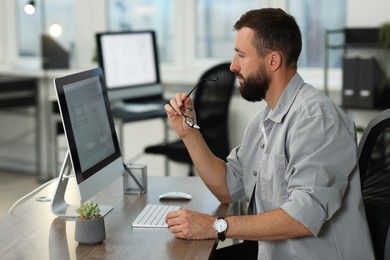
94, 152
54, 56
130, 64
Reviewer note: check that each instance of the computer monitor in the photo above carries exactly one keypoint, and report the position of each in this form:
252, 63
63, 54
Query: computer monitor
130, 64
54, 56
93, 148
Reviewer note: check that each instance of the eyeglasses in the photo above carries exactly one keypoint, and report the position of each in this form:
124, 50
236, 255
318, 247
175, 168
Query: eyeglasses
188, 111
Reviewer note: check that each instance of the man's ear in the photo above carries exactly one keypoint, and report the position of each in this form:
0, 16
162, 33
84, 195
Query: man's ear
276, 60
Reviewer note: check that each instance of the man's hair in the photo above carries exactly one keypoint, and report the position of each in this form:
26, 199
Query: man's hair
275, 30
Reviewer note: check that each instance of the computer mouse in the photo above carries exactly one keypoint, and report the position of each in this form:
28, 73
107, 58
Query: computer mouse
175, 195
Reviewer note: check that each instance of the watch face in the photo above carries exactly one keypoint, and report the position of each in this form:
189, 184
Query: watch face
220, 225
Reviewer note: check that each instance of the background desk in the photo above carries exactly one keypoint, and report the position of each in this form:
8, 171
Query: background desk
17, 95
123, 117
131, 150
33, 232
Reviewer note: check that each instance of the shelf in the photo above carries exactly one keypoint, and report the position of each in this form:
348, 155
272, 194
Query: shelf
361, 37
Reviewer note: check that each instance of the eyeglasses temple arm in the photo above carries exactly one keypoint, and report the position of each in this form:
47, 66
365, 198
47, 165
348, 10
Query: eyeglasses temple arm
197, 84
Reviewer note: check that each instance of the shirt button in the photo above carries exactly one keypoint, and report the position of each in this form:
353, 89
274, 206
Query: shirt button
262, 146
254, 173
247, 199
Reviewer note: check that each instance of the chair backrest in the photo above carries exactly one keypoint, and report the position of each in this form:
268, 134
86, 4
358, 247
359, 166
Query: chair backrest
211, 102
374, 166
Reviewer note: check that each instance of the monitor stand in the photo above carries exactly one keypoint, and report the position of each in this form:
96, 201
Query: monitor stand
59, 206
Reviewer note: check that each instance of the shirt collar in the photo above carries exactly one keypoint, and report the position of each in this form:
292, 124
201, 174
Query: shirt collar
286, 100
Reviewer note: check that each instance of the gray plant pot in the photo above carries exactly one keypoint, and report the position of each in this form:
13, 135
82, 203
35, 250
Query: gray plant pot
90, 231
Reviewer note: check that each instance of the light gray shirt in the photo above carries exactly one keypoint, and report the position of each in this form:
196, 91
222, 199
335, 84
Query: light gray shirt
301, 157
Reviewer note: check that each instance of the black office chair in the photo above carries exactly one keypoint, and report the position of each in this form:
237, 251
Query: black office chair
211, 102
374, 166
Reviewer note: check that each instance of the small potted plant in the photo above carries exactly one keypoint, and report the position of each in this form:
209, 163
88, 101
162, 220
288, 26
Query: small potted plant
90, 228
384, 41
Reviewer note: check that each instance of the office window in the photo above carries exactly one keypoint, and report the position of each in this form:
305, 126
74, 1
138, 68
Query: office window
200, 30
214, 36
30, 27
314, 17
211, 22
214, 26
157, 15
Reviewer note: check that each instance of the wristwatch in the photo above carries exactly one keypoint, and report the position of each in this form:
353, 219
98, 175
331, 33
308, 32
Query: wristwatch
221, 225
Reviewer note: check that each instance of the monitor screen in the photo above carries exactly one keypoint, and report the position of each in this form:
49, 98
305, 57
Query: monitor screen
130, 64
89, 127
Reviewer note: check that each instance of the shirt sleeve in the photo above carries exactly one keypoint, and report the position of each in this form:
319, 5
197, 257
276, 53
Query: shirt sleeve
322, 154
234, 174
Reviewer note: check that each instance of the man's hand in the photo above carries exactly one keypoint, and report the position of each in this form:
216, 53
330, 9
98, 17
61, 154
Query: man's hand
190, 224
174, 114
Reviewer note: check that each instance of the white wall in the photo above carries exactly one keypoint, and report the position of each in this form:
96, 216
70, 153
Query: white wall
86, 29
363, 13
7, 31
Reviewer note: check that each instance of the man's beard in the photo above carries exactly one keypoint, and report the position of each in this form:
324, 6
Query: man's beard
255, 86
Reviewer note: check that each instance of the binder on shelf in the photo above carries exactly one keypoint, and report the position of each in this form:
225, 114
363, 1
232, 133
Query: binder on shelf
350, 82
362, 84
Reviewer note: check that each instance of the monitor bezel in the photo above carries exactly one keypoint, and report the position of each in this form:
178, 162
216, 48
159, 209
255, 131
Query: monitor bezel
133, 91
60, 84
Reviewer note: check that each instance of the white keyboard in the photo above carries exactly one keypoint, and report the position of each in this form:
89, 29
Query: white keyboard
153, 216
